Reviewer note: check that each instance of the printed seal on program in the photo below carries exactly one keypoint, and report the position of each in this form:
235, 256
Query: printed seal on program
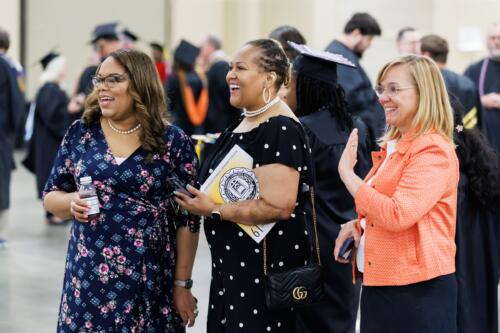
239, 184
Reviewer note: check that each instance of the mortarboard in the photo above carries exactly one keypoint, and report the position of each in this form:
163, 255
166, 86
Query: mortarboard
48, 58
186, 53
108, 31
320, 65
130, 35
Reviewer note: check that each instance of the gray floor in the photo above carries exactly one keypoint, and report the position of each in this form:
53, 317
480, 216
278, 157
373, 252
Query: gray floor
32, 267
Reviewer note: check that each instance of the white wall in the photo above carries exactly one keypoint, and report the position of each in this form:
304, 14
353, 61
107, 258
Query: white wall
9, 21
68, 25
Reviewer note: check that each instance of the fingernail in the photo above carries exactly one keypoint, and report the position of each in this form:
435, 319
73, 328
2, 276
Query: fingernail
188, 186
174, 192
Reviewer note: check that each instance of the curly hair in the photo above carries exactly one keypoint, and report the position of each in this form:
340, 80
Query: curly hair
273, 59
313, 95
148, 96
478, 161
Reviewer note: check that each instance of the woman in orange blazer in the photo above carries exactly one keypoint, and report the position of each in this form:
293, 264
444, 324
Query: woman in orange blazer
405, 231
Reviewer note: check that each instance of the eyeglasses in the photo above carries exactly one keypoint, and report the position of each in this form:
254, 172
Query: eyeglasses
391, 90
110, 80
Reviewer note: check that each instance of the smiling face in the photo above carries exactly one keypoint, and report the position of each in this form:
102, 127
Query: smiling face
115, 102
400, 109
246, 79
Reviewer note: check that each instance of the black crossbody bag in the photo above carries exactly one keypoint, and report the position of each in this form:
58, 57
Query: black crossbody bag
299, 286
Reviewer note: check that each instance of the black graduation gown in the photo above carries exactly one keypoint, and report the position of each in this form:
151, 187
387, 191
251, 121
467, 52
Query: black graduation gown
490, 118
465, 90
84, 87
176, 104
334, 206
11, 114
221, 113
360, 95
477, 265
51, 122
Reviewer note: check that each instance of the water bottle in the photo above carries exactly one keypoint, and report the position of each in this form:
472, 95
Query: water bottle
88, 194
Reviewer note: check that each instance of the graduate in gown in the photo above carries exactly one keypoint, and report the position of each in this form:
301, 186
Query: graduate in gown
477, 256
486, 75
316, 97
187, 94
51, 121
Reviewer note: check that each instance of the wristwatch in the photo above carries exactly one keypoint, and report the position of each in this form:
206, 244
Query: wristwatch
188, 284
216, 215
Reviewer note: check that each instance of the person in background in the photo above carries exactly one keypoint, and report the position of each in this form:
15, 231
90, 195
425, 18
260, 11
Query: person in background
12, 108
461, 86
186, 90
361, 99
51, 121
486, 75
220, 113
20, 76
106, 38
129, 267
162, 65
271, 134
283, 34
477, 259
407, 206
318, 100
408, 41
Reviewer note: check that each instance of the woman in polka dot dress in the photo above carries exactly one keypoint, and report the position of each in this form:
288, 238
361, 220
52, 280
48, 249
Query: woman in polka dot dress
271, 134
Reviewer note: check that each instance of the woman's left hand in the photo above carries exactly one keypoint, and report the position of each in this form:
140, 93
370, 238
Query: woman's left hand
200, 204
185, 305
349, 156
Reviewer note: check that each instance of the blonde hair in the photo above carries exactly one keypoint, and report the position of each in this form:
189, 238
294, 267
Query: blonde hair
434, 112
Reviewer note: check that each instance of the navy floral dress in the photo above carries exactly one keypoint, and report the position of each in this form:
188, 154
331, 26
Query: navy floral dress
120, 268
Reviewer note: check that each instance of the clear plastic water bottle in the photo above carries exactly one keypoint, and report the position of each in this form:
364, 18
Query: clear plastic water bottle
88, 193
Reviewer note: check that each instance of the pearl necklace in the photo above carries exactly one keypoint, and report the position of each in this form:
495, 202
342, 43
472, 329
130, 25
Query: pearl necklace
263, 109
132, 130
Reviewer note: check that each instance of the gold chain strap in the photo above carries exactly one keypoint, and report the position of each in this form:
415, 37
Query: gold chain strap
315, 227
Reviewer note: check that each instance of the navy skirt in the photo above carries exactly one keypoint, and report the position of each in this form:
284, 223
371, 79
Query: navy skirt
429, 306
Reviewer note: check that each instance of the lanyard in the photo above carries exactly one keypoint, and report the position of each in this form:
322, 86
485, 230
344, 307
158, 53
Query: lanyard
482, 76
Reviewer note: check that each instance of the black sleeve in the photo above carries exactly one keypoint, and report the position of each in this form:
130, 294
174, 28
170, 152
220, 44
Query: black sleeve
284, 142
51, 110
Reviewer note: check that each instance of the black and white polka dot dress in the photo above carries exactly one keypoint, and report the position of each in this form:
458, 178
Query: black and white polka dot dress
237, 302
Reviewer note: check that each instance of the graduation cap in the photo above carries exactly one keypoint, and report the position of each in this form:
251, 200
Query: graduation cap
108, 31
320, 65
156, 46
48, 58
186, 53
130, 35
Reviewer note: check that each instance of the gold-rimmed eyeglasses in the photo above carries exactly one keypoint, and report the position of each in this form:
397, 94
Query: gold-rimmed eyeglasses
391, 90
110, 80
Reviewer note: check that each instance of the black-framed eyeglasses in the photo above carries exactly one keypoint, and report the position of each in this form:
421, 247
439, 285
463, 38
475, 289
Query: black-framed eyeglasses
391, 90
110, 80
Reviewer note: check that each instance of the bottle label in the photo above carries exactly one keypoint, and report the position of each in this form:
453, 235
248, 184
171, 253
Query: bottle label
93, 202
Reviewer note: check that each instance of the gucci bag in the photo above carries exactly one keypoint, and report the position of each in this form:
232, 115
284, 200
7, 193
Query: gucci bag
298, 286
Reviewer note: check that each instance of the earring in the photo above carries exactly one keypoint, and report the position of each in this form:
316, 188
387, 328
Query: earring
268, 99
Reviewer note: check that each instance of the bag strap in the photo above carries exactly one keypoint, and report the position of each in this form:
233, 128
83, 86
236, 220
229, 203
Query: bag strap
313, 207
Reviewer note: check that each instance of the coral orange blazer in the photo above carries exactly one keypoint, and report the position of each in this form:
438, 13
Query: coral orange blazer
410, 210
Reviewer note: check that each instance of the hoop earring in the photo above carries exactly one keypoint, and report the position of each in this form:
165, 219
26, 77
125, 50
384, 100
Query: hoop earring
268, 99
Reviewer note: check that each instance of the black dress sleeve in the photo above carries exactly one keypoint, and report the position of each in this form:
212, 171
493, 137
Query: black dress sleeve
283, 141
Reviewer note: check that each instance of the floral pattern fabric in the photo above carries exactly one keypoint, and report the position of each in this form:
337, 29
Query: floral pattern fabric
120, 267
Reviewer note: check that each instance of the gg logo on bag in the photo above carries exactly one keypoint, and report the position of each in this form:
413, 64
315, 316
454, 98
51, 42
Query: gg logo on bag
299, 293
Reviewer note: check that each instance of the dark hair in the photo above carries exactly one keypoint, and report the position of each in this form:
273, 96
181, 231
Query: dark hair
402, 32
313, 95
436, 46
4, 39
146, 90
286, 33
273, 59
478, 161
365, 23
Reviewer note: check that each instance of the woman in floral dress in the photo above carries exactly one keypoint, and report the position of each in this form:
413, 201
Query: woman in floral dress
120, 267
